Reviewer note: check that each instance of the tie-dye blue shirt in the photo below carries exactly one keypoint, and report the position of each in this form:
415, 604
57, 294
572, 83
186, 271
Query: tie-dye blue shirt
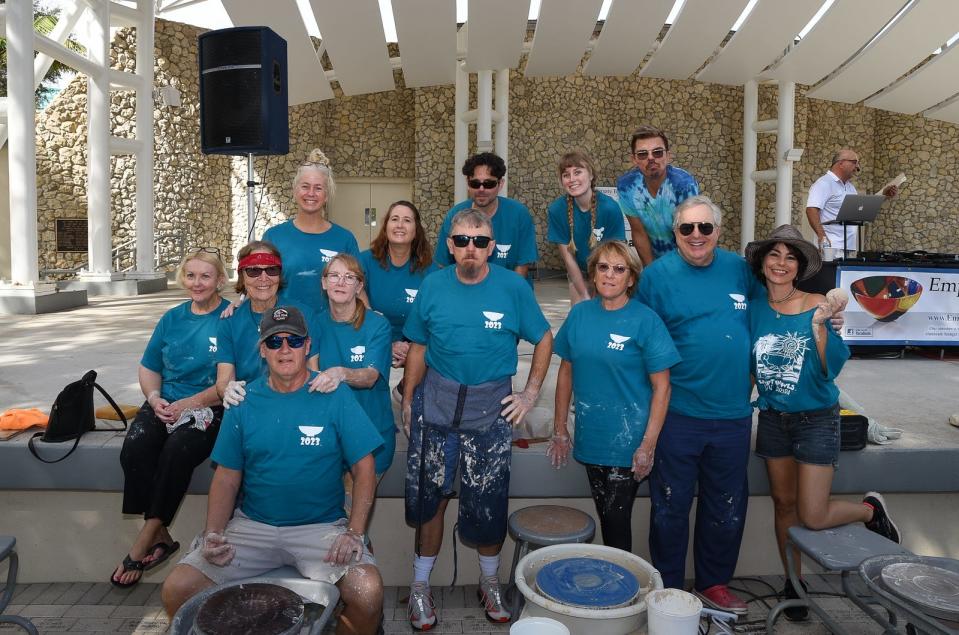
656, 213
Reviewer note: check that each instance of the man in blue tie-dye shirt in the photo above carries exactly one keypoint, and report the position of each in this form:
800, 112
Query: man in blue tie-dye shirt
650, 192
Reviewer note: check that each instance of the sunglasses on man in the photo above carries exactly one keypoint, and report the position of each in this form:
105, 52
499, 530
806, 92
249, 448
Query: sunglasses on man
704, 228
488, 184
462, 240
275, 342
656, 153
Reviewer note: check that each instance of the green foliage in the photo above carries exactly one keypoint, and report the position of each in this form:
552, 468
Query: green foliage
44, 20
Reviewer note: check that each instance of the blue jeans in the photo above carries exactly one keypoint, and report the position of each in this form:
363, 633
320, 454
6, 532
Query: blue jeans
713, 454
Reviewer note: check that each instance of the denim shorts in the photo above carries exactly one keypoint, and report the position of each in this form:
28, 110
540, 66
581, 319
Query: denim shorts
811, 436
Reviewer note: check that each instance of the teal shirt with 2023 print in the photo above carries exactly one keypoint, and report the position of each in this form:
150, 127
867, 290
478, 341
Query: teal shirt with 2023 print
706, 311
182, 350
612, 354
608, 225
291, 448
304, 256
471, 330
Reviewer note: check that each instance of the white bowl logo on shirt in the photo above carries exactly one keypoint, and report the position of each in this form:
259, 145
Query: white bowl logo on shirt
358, 352
212, 344
411, 295
617, 342
598, 232
493, 320
311, 435
739, 301
327, 255
779, 360
502, 251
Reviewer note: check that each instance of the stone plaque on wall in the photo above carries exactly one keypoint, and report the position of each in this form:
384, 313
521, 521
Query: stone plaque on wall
72, 234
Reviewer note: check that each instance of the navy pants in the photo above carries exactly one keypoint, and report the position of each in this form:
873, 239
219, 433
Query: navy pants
713, 454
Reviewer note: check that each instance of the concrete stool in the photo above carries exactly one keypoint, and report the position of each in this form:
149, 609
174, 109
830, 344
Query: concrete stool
840, 549
7, 544
540, 526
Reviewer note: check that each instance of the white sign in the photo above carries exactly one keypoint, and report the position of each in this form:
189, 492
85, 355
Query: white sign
900, 305
613, 193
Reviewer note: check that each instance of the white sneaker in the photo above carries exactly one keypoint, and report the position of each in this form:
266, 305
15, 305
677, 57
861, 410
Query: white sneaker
420, 607
491, 599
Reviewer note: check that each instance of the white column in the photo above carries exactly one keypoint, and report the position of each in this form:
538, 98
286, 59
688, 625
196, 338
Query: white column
484, 111
502, 120
98, 147
784, 143
460, 131
750, 112
24, 268
144, 135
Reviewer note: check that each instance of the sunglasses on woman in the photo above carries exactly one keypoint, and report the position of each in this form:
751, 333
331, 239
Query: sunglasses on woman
704, 228
255, 272
604, 267
461, 240
275, 342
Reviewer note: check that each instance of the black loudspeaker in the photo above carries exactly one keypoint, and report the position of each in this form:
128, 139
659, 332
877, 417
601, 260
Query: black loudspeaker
244, 97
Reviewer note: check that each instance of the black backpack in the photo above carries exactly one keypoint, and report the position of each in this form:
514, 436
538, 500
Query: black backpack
72, 414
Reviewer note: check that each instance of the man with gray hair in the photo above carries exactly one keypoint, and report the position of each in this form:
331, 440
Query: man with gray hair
459, 404
702, 294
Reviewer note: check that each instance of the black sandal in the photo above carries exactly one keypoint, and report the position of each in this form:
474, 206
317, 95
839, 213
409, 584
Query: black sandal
166, 550
129, 564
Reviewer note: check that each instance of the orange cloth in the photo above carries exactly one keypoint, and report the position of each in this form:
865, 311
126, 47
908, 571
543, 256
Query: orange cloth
22, 418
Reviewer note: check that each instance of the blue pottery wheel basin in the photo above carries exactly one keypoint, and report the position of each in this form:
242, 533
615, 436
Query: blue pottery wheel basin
587, 583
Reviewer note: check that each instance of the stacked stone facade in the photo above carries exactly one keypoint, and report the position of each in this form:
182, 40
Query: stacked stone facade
408, 133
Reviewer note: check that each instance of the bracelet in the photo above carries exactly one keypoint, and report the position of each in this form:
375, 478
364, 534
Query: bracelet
358, 534
562, 437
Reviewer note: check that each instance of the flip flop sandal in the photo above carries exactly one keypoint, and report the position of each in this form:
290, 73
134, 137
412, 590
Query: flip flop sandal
166, 551
129, 564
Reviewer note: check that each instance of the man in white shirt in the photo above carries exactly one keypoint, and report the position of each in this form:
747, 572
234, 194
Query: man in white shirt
825, 199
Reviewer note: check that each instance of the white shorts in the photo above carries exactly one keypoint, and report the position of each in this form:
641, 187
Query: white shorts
261, 548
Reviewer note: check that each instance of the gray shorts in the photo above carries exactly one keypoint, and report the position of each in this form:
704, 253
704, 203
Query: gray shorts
261, 548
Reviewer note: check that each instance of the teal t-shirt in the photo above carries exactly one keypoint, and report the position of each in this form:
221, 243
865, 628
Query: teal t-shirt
656, 213
368, 347
789, 374
612, 354
513, 231
291, 448
304, 257
239, 334
471, 330
608, 225
706, 311
392, 290
183, 350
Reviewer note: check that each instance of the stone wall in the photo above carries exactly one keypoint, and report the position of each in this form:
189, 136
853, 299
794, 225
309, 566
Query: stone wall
408, 133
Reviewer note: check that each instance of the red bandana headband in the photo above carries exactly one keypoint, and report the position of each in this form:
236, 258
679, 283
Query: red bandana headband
259, 259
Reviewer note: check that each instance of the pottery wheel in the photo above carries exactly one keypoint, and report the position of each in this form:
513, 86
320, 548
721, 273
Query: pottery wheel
934, 589
253, 609
587, 583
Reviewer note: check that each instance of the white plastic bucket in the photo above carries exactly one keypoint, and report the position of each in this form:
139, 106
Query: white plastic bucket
538, 626
673, 612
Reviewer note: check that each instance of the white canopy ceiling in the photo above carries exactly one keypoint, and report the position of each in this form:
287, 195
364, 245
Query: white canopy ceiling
889, 53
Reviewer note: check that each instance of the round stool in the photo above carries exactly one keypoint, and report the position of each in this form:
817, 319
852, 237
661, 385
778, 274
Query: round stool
540, 526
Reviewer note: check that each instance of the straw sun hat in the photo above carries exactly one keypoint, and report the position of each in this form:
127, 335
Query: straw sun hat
788, 235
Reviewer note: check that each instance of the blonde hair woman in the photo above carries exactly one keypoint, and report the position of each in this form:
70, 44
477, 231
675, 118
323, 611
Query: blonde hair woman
581, 219
308, 241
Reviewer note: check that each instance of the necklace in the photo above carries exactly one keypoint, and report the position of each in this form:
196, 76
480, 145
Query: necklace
783, 299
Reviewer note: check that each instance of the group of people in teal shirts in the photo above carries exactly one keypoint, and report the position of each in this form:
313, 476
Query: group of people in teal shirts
625, 361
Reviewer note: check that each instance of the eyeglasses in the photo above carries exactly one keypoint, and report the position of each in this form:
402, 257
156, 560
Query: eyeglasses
487, 183
206, 250
275, 342
349, 279
855, 161
255, 272
704, 228
656, 153
462, 240
604, 267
